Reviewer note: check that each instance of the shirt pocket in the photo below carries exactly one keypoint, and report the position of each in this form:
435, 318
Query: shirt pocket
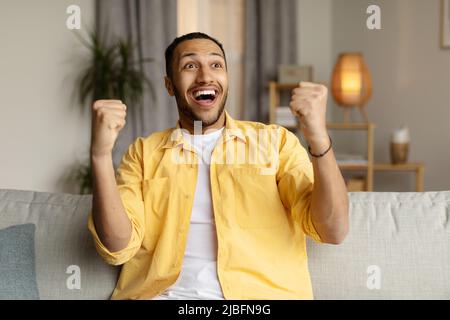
155, 193
258, 203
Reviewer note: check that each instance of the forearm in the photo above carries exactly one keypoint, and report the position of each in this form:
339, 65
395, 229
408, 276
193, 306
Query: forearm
329, 204
111, 221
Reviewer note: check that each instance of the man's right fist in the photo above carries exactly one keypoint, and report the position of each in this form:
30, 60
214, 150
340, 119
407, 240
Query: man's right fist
108, 118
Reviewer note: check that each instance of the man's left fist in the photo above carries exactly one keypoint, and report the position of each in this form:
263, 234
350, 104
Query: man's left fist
309, 103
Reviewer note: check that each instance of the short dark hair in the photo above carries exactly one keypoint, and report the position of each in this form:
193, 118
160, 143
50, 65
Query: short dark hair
190, 36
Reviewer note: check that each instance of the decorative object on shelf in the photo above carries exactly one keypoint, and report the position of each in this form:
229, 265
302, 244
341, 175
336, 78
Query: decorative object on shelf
288, 74
445, 24
400, 145
351, 83
289, 77
350, 159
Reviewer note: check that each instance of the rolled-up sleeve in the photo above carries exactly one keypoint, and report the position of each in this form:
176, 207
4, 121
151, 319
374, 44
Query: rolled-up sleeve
129, 184
295, 178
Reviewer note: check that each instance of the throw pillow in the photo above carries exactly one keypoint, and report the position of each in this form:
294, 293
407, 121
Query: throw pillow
17, 263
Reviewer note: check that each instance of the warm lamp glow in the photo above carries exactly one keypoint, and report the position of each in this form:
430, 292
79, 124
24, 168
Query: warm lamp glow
351, 83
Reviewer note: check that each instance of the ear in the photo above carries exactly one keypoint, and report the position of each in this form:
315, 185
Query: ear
169, 86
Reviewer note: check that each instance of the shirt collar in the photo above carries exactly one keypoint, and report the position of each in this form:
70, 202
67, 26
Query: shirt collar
231, 131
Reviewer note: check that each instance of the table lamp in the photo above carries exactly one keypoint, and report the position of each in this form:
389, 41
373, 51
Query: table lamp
351, 83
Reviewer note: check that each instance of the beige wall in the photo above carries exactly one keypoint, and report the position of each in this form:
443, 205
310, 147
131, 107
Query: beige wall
314, 39
42, 131
410, 78
411, 82
315, 42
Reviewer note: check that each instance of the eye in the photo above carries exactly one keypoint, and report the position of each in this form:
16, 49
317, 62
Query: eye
189, 66
217, 65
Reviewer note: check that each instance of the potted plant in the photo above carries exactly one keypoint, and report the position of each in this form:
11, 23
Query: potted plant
113, 73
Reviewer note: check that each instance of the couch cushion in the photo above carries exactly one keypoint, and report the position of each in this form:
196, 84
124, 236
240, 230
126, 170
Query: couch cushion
17, 263
398, 247
399, 241
67, 265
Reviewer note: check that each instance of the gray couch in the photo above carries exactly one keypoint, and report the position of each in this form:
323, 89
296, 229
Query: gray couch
398, 248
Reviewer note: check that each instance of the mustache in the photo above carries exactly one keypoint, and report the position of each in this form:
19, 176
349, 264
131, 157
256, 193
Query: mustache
186, 109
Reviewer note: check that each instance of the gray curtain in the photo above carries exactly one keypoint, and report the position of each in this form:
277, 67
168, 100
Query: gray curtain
151, 26
271, 40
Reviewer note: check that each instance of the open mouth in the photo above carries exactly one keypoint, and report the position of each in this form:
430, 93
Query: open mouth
205, 97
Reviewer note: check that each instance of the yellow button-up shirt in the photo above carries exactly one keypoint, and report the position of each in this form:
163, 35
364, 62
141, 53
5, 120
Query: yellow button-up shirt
261, 186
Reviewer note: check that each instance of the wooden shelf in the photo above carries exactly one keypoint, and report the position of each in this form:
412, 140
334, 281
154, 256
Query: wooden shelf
274, 103
285, 86
355, 167
418, 168
398, 167
350, 126
370, 167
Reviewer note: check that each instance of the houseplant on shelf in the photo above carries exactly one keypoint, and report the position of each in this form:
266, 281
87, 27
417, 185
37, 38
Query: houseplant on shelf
112, 73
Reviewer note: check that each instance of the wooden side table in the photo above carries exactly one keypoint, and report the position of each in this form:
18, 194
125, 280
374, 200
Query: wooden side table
418, 168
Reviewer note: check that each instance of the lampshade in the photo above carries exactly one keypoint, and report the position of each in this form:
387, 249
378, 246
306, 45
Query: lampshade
351, 82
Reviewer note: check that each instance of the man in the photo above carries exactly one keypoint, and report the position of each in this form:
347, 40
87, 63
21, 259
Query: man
214, 208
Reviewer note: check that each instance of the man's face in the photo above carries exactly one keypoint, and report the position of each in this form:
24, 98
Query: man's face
199, 81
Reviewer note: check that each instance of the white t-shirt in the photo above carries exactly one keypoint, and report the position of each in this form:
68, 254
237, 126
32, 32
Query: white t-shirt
198, 278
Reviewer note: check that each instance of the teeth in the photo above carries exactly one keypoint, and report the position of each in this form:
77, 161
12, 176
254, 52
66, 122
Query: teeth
198, 93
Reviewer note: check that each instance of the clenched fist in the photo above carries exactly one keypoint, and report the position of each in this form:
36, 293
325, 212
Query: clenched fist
108, 118
309, 103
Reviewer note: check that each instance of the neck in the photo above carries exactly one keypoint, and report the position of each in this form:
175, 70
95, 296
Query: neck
189, 124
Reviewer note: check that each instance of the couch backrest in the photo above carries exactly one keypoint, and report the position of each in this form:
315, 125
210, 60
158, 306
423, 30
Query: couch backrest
63, 246
398, 247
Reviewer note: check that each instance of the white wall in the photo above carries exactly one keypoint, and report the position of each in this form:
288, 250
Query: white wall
43, 133
411, 81
42, 130
315, 22
314, 37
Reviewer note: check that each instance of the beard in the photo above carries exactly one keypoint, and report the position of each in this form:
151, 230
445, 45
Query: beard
188, 110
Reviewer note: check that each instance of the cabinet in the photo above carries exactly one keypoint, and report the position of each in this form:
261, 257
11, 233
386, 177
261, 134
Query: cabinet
367, 166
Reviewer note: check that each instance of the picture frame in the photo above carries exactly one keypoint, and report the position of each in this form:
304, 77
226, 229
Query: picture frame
445, 24
288, 74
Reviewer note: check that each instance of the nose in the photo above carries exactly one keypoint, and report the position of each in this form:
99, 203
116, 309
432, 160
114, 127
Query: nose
204, 75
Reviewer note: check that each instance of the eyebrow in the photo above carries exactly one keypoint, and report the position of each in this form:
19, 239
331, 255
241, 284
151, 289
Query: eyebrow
189, 54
